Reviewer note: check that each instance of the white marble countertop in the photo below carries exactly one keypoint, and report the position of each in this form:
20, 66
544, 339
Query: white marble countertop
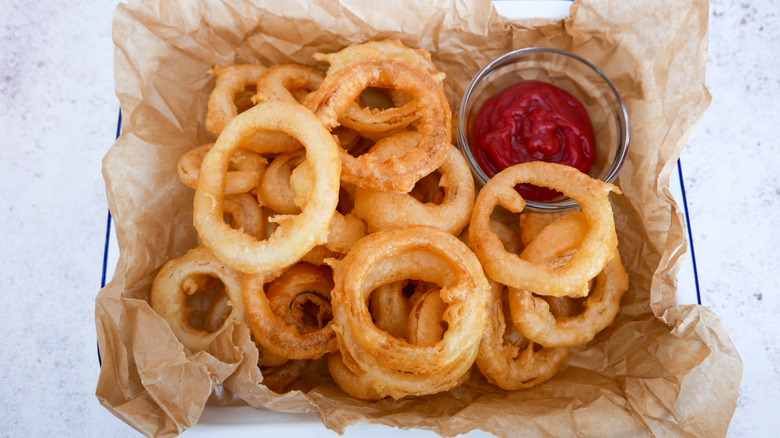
59, 115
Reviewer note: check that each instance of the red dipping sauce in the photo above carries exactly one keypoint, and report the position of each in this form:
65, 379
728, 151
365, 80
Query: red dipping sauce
533, 121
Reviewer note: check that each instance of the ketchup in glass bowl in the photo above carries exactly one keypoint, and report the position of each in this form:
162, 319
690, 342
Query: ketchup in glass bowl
539, 104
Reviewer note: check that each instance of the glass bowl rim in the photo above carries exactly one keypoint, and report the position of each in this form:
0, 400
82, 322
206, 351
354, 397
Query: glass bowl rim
623, 128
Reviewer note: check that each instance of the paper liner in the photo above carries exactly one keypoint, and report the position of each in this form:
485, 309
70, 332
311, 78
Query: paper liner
660, 369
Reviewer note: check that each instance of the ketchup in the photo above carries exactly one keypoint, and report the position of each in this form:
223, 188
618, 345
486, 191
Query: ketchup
533, 121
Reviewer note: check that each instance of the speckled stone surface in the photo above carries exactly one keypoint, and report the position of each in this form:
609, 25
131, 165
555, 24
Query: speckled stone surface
733, 189
58, 115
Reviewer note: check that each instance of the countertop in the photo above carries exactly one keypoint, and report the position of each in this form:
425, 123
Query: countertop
59, 114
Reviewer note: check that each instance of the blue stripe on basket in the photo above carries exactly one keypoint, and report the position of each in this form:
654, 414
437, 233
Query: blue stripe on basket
108, 236
105, 250
690, 235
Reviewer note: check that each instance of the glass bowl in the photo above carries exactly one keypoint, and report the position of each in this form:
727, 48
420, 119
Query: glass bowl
567, 71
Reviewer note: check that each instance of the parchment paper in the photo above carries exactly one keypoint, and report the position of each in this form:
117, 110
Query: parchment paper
660, 370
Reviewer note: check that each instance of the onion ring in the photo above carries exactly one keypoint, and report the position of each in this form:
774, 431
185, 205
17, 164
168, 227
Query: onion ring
394, 367
420, 288
272, 331
561, 306
231, 81
274, 188
319, 254
296, 235
369, 387
508, 237
531, 224
244, 174
244, 214
533, 316
535, 319
357, 385
390, 308
426, 324
300, 287
168, 296
427, 189
363, 119
399, 174
384, 209
279, 82
217, 313
597, 248
380, 50
375, 385
345, 231
506, 364
557, 242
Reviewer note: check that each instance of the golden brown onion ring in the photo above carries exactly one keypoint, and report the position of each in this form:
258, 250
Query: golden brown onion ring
454, 94
508, 237
217, 313
363, 119
373, 386
291, 83
280, 81
383, 209
319, 254
245, 214
419, 290
302, 287
390, 308
557, 242
394, 367
380, 50
532, 224
427, 189
596, 250
274, 188
508, 365
426, 324
339, 90
357, 385
534, 317
296, 235
231, 81
561, 306
244, 171
272, 331
345, 231
169, 295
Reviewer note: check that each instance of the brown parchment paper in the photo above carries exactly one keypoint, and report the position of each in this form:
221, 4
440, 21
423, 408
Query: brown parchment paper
660, 370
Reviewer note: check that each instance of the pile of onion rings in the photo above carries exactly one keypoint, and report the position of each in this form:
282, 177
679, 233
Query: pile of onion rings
339, 223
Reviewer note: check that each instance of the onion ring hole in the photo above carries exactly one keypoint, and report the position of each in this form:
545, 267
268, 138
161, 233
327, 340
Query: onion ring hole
204, 293
243, 99
427, 189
